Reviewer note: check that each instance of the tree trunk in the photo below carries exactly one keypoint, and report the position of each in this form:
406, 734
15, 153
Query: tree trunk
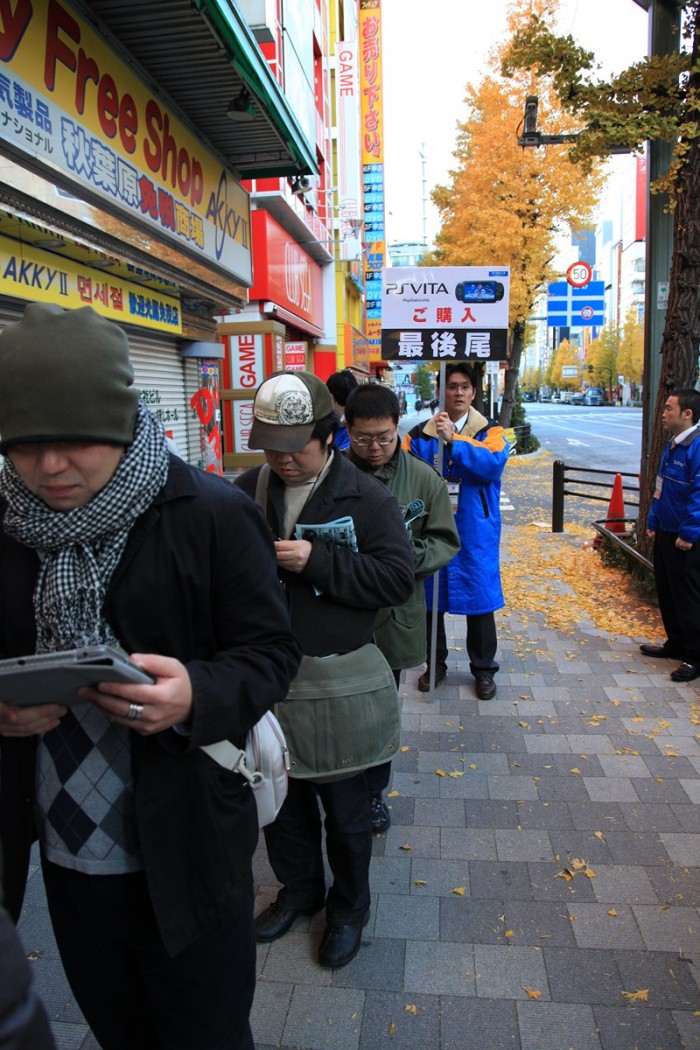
681, 338
513, 373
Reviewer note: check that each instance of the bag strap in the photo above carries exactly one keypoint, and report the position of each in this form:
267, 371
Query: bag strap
262, 486
231, 757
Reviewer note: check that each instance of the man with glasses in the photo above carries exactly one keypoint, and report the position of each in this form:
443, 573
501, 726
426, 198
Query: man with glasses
475, 453
372, 416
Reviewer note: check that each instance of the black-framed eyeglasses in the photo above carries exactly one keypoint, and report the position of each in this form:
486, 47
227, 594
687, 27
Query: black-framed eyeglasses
364, 441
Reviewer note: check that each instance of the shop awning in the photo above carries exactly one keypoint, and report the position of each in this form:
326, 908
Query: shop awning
201, 53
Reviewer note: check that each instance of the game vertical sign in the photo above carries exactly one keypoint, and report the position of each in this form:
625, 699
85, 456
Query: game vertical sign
372, 143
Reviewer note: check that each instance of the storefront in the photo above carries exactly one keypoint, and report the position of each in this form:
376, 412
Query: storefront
115, 198
279, 330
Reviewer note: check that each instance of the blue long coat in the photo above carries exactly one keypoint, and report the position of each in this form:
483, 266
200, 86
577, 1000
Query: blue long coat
471, 583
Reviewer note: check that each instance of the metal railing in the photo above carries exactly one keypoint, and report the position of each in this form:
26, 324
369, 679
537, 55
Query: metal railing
563, 477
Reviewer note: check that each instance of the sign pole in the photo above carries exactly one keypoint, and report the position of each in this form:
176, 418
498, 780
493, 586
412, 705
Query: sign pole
436, 575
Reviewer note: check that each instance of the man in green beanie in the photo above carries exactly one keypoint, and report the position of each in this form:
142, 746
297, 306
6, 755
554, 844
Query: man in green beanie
146, 843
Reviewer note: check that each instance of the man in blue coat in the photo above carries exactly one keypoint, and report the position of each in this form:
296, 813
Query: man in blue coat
674, 525
474, 455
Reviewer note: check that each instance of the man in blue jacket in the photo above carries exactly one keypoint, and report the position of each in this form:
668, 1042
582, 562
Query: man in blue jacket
674, 525
474, 456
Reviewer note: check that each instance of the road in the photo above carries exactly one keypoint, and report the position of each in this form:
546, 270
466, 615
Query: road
604, 438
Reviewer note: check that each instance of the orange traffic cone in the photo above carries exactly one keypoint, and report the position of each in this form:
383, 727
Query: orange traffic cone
616, 507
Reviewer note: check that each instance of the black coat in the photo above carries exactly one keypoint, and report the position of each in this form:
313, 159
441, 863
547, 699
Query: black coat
198, 582
353, 587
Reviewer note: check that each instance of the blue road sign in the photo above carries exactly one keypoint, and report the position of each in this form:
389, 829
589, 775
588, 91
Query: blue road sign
569, 307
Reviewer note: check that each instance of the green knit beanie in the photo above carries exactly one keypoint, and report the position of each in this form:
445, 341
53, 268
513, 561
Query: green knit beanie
65, 375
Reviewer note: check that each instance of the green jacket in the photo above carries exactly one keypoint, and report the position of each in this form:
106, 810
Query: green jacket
400, 631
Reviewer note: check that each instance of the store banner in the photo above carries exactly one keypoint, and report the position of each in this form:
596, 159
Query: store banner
347, 105
30, 273
284, 272
72, 104
445, 313
372, 144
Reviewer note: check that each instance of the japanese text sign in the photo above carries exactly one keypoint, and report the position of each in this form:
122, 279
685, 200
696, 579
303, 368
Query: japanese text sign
445, 313
71, 104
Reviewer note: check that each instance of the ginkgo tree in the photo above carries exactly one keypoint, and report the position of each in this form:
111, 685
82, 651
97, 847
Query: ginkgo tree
602, 359
655, 99
507, 205
565, 357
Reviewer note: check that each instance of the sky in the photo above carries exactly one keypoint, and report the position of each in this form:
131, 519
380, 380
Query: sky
431, 50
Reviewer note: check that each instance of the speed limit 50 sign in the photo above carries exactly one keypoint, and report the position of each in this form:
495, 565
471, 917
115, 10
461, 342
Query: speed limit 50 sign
579, 274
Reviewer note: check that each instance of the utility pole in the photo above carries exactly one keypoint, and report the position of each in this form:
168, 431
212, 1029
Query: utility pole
421, 154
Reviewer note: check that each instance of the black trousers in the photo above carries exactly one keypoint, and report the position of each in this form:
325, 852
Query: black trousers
133, 995
294, 847
678, 588
482, 641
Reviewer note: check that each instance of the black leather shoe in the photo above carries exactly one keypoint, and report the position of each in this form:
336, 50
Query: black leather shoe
647, 649
276, 920
380, 814
685, 673
340, 944
485, 685
424, 680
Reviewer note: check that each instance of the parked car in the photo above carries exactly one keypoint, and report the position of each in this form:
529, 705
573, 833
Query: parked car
565, 397
556, 398
545, 397
527, 395
594, 396
579, 398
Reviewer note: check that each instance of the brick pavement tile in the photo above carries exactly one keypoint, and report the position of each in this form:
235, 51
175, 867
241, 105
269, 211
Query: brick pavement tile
491, 813
462, 739
674, 929
406, 761
686, 745
429, 761
635, 741
547, 886
380, 966
595, 816
477, 1023
634, 1029
315, 1012
471, 785
552, 1026
595, 927
523, 845
676, 885
502, 741
416, 785
549, 743
511, 787
293, 959
409, 1031
504, 972
536, 765
525, 679
441, 877
500, 880
567, 666
424, 842
471, 920
583, 975
499, 708
634, 847
440, 968
544, 815
542, 704
624, 766
588, 765
401, 808
659, 790
439, 812
625, 696
269, 1013
592, 745
671, 768
616, 789
405, 917
539, 923
667, 977
688, 816
615, 884
688, 1025
390, 874
649, 817
468, 844
570, 788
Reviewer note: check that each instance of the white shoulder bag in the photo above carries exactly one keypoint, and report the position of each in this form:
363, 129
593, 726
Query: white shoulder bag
264, 764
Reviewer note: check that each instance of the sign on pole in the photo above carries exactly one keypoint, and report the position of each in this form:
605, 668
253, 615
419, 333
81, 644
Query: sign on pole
579, 274
569, 307
445, 313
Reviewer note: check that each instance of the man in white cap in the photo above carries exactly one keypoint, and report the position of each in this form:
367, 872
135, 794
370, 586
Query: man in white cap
334, 594
146, 843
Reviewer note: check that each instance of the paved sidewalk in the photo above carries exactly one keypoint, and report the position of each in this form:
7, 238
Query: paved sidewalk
539, 886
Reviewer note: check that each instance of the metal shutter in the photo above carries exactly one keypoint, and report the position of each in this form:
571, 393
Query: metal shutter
160, 376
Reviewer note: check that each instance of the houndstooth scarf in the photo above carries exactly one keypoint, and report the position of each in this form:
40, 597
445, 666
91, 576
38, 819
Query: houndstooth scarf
81, 548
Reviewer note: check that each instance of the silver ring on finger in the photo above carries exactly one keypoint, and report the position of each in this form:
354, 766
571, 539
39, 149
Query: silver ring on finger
135, 711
